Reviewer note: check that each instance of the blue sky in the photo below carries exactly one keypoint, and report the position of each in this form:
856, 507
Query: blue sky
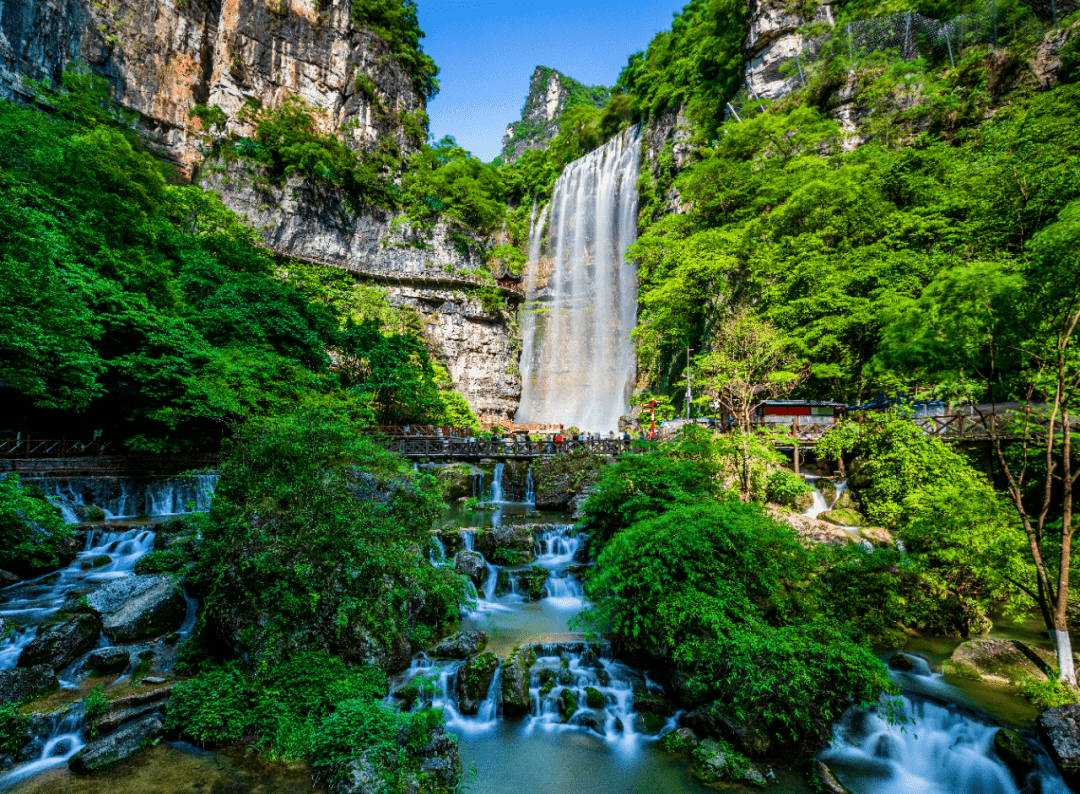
487, 50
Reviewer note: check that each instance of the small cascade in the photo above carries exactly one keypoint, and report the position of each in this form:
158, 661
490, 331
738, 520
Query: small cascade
565, 592
468, 539
105, 556
128, 497
478, 485
63, 740
530, 489
557, 545
938, 750
496, 495
437, 554
489, 708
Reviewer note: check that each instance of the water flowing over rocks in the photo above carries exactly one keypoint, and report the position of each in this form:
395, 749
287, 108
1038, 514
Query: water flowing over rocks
60, 645
103, 752
139, 606
460, 645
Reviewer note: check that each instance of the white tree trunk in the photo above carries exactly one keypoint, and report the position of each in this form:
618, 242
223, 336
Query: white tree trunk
1063, 643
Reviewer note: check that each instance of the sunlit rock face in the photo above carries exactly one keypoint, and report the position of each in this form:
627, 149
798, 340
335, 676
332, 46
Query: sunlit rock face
165, 56
774, 37
549, 95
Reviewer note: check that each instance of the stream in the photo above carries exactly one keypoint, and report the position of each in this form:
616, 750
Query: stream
944, 746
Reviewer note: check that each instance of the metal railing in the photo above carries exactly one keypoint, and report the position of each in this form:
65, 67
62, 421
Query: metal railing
55, 447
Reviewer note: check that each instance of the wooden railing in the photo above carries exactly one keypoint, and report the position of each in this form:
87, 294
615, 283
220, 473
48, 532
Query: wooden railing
56, 448
481, 447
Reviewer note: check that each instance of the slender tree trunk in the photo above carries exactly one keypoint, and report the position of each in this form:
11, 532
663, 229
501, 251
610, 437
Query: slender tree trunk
1061, 634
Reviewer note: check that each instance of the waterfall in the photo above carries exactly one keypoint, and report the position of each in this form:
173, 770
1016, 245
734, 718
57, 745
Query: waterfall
496, 495
63, 741
129, 497
577, 362
478, 485
530, 489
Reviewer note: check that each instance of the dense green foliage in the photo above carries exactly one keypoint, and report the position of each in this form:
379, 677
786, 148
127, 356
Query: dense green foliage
333, 531
729, 596
145, 308
12, 728
31, 530
395, 21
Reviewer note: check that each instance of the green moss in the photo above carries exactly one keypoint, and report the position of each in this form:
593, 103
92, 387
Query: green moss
568, 704
594, 699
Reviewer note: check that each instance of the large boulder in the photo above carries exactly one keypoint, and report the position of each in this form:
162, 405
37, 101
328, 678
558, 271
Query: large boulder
137, 607
512, 543
999, 661
844, 501
843, 518
828, 489
61, 645
105, 751
24, 683
878, 537
1015, 753
108, 660
461, 645
473, 565
456, 481
716, 763
812, 531
474, 680
1059, 728
124, 709
516, 700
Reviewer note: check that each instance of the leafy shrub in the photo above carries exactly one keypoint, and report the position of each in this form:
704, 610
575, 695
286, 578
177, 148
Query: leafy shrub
787, 486
31, 530
214, 708
355, 727
12, 728
95, 706
1048, 694
168, 560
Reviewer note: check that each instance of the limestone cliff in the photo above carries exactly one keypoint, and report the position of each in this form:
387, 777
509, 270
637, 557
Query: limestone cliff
165, 56
550, 94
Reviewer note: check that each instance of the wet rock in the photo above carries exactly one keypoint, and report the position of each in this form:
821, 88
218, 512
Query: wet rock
711, 721
128, 708
844, 501
586, 719
1059, 729
139, 606
108, 660
516, 700
105, 751
461, 645
899, 661
474, 680
828, 489
1000, 661
528, 583
473, 565
652, 702
648, 724
843, 518
456, 481
61, 645
717, 764
826, 780
568, 704
7, 577
1015, 753
879, 538
24, 683
594, 698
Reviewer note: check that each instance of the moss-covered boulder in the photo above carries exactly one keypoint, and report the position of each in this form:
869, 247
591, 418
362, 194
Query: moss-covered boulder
474, 680
878, 537
652, 702
62, 644
902, 662
713, 721
473, 565
999, 661
844, 501
648, 724
827, 488
460, 645
1014, 753
594, 698
516, 538
568, 704
823, 780
859, 475
716, 763
455, 481
515, 697
843, 518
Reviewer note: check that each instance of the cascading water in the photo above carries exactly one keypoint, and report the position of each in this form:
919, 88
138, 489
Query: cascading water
496, 495
577, 361
126, 497
63, 740
530, 488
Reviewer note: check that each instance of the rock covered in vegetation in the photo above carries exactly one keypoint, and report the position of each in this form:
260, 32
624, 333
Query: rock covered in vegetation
560, 478
516, 700
139, 606
435, 769
105, 751
1059, 728
843, 518
1001, 661
528, 583
828, 489
515, 538
652, 702
461, 644
713, 721
812, 530
474, 680
455, 480
1014, 752
473, 565
23, 683
141, 704
826, 780
62, 644
716, 763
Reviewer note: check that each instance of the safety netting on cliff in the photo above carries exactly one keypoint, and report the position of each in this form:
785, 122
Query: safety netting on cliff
904, 36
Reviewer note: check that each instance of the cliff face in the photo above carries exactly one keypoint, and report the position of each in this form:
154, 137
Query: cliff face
550, 93
419, 268
774, 38
165, 56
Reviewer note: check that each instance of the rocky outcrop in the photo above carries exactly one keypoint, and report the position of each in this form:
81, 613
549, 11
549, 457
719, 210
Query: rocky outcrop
105, 751
131, 707
108, 660
812, 530
549, 93
461, 645
517, 539
716, 764
61, 645
1059, 728
25, 684
139, 606
712, 720
417, 268
774, 37
474, 680
515, 697
434, 769
165, 57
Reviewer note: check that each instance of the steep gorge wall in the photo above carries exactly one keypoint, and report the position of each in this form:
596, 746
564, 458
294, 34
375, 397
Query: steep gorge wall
550, 93
165, 56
